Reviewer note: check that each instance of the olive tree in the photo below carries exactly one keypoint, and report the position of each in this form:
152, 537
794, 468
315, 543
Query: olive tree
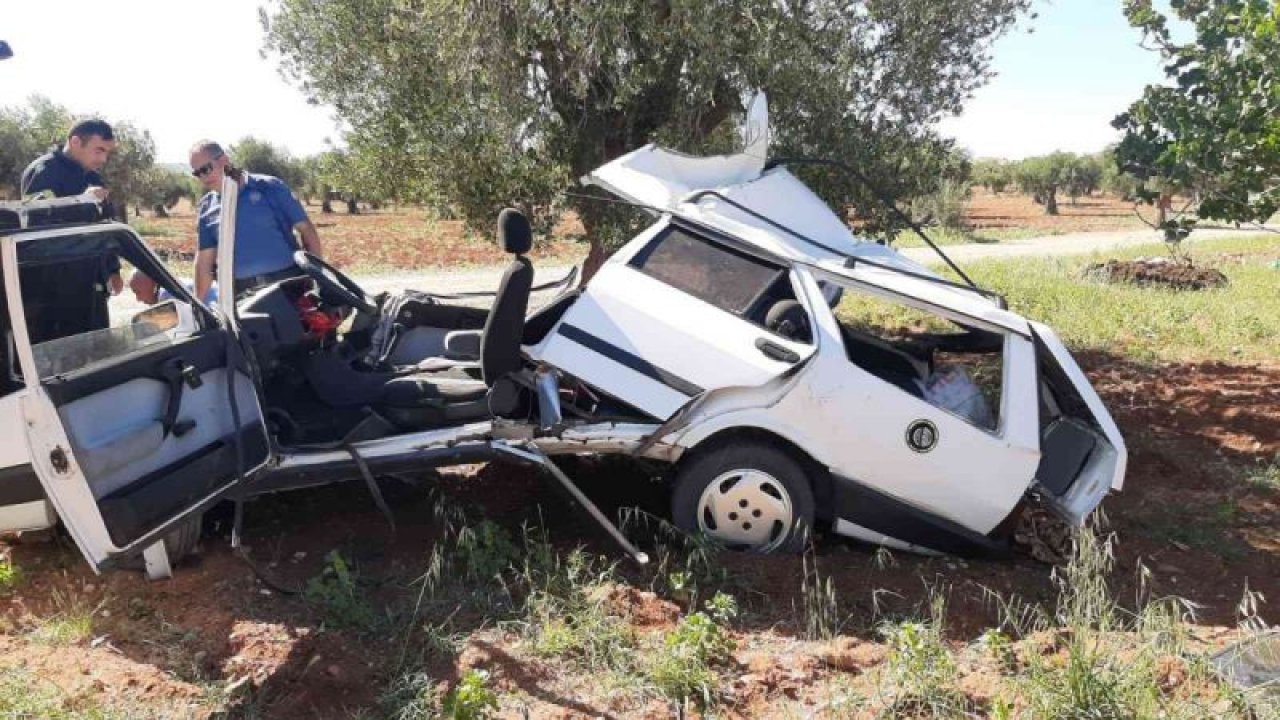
1043, 177
260, 156
1214, 128
484, 104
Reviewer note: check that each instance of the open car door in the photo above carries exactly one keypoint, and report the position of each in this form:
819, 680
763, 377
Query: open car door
136, 417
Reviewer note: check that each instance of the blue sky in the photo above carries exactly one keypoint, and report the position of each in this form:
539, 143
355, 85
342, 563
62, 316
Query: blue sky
1059, 86
160, 64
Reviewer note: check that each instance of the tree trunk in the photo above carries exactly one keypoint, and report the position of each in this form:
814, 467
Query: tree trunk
595, 259
1051, 203
1163, 205
325, 206
160, 212
352, 207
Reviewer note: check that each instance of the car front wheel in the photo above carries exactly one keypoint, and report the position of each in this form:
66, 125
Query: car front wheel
745, 496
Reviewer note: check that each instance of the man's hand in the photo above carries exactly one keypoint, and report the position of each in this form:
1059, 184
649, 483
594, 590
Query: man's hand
99, 193
115, 282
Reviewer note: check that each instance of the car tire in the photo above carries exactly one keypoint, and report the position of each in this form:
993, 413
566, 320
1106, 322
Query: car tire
745, 496
179, 542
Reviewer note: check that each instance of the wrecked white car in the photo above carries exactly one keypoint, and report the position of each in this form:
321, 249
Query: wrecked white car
791, 376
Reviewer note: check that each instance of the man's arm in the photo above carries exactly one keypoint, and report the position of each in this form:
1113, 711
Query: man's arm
310, 238
205, 261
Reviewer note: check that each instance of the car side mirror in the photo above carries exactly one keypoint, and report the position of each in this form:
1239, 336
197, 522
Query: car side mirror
6, 52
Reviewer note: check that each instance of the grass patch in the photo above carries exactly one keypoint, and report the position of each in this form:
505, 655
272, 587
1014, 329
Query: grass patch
72, 624
986, 236
1202, 528
1239, 323
1265, 475
686, 667
24, 695
152, 229
920, 674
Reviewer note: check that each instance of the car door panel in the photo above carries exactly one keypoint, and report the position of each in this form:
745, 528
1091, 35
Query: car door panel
655, 347
130, 427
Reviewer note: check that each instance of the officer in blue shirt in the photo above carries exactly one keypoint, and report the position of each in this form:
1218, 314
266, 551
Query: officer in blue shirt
267, 214
73, 170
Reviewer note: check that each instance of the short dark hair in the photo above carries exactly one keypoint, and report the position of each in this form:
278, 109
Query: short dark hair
213, 149
86, 129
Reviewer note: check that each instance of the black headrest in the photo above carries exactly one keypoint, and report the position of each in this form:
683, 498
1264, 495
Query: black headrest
514, 234
787, 318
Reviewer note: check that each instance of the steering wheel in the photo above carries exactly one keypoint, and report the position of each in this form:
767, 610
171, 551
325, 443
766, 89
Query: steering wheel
333, 283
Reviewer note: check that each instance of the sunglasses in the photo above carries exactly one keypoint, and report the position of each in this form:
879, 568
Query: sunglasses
204, 169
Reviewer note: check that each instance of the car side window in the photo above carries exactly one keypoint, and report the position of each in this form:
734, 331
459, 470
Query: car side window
73, 319
955, 367
732, 281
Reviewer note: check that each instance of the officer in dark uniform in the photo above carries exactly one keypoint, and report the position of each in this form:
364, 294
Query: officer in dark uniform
70, 171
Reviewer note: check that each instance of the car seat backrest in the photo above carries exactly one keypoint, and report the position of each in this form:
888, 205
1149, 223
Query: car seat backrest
500, 342
788, 319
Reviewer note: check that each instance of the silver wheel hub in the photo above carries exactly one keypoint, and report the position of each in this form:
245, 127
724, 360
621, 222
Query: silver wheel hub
746, 508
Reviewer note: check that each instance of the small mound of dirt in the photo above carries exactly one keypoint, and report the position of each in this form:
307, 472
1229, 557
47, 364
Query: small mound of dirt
1157, 272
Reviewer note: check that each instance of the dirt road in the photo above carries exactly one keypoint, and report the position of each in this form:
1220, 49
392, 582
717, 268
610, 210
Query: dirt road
1085, 243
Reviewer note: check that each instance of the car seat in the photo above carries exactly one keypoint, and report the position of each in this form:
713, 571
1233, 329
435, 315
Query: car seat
428, 399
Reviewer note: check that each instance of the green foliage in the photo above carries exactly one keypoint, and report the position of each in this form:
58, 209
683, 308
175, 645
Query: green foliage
161, 188
72, 624
481, 105
1043, 177
260, 156
10, 576
1215, 128
337, 593
919, 675
472, 698
685, 669
567, 615
994, 174
485, 550
943, 207
413, 696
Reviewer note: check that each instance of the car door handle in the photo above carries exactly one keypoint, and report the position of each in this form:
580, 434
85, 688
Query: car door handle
777, 352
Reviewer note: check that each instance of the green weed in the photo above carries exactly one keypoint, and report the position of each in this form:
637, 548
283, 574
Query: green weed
485, 550
566, 614
70, 625
10, 576
338, 595
413, 696
472, 698
818, 595
1265, 475
686, 667
919, 676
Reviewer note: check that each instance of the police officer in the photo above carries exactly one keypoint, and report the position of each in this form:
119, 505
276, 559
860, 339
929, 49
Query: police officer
73, 170
267, 214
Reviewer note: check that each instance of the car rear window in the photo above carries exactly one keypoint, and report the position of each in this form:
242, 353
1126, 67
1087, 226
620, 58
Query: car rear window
725, 278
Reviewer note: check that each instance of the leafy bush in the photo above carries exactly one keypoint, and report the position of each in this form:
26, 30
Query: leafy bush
336, 593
